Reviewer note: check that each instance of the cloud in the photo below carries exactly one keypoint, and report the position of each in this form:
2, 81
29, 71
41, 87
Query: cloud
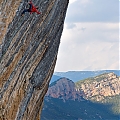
90, 39
95, 56
83, 29
94, 49
70, 25
108, 32
93, 11
71, 1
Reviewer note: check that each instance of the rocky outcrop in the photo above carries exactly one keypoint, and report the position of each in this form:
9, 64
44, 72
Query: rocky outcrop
28, 55
63, 100
64, 89
99, 87
96, 88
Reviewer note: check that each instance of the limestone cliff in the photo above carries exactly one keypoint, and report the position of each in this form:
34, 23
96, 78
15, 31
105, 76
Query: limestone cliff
28, 53
99, 87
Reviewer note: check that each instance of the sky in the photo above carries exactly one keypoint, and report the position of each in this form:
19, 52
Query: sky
90, 38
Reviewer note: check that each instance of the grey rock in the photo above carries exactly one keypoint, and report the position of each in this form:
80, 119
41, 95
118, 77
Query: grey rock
28, 56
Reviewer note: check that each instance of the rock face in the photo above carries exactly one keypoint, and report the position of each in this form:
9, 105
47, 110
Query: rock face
64, 89
28, 55
96, 88
6, 15
102, 86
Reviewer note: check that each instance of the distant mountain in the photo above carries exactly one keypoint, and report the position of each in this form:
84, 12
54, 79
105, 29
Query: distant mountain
104, 88
80, 75
95, 98
99, 87
64, 89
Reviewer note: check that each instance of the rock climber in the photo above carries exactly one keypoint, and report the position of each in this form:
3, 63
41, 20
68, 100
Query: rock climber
31, 9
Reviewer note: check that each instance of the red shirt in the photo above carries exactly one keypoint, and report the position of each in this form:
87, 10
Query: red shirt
33, 9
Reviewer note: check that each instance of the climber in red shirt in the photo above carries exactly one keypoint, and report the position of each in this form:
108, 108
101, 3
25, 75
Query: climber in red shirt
31, 9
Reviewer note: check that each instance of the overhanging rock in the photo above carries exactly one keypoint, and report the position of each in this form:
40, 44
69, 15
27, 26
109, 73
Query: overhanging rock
28, 56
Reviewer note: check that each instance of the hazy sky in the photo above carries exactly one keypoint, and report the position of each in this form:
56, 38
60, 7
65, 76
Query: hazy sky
90, 39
